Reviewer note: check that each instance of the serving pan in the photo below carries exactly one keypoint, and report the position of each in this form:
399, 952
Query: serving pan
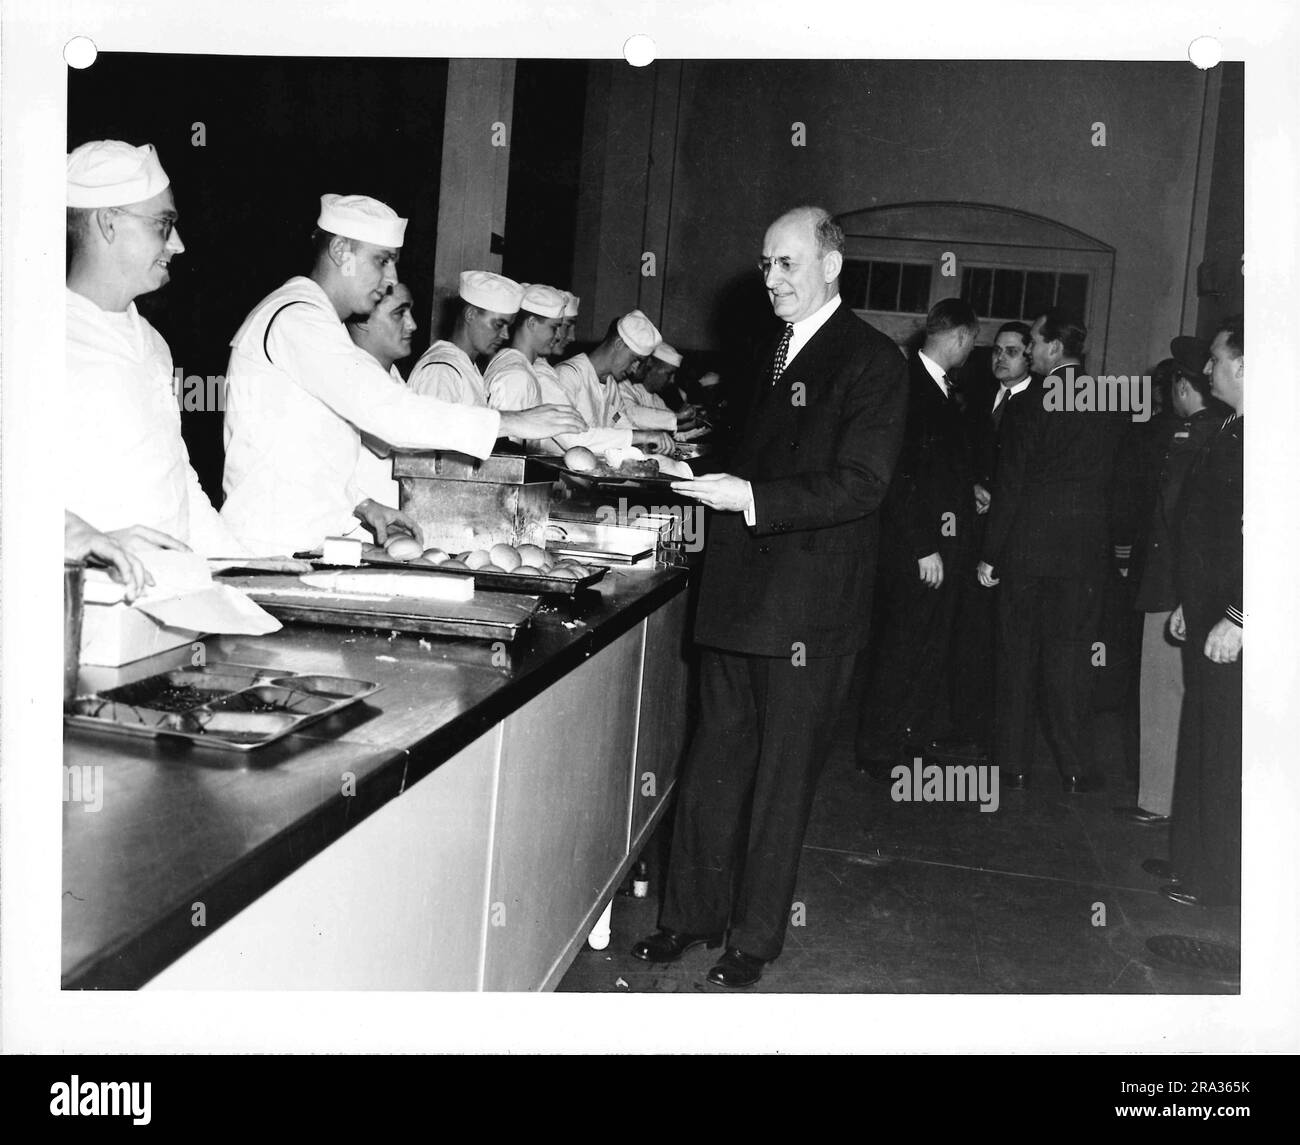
233, 707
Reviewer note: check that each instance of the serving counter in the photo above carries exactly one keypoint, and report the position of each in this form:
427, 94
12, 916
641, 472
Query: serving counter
462, 829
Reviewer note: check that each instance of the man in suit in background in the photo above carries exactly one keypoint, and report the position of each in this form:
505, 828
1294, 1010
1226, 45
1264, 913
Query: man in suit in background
974, 641
925, 549
785, 596
1046, 543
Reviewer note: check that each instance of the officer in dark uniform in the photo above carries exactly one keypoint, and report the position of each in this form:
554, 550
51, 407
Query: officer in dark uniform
1206, 833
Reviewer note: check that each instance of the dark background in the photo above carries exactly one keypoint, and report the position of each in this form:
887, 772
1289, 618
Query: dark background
280, 132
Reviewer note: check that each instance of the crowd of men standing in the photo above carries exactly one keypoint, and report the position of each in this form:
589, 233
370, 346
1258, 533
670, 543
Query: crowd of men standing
1007, 525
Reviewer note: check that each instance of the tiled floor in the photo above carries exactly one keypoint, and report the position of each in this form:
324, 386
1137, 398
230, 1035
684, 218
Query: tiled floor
942, 898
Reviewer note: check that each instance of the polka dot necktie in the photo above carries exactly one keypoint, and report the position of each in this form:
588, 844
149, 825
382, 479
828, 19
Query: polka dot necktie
783, 348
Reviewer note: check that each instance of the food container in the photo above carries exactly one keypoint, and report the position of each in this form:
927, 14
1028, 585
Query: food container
462, 503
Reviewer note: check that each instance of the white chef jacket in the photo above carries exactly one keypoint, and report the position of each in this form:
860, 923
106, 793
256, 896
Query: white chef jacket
375, 462
511, 381
300, 394
574, 382
644, 409
446, 372
126, 462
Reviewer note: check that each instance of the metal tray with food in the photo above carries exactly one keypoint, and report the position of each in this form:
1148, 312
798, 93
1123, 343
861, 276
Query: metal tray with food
577, 574
369, 598
610, 480
233, 707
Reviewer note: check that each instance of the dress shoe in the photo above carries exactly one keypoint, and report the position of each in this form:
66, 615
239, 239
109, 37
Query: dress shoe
737, 969
1143, 816
1013, 781
1176, 892
1161, 869
670, 945
1080, 784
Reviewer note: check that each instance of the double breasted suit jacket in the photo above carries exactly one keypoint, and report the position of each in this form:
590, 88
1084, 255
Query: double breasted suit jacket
818, 447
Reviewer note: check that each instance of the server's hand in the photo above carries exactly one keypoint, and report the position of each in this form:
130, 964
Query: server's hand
983, 499
541, 421
82, 541
1223, 645
385, 521
931, 568
141, 539
985, 574
653, 440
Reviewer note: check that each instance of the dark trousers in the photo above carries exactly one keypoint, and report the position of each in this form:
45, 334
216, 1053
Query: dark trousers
907, 668
1046, 630
1205, 840
745, 794
973, 659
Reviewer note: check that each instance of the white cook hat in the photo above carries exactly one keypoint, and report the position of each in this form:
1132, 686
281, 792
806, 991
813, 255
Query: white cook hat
488, 291
639, 333
363, 218
665, 353
543, 300
110, 173
571, 305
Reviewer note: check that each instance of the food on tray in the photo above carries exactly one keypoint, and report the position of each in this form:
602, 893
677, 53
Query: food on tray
435, 556
533, 555
403, 548
505, 557
478, 558
581, 460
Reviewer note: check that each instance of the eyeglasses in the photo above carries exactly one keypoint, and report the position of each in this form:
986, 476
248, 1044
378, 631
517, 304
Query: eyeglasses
784, 264
166, 222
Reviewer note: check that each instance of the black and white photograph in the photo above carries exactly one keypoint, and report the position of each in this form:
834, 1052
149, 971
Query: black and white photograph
594, 504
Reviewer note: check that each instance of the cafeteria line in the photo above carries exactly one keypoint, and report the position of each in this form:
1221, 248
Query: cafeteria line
403, 713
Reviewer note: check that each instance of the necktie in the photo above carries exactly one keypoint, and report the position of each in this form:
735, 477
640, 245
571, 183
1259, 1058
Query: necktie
782, 348
1004, 396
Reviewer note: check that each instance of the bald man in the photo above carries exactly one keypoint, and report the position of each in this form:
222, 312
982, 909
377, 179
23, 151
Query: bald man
785, 596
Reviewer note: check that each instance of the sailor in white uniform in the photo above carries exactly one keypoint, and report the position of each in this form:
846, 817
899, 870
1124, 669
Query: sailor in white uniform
385, 334
301, 394
486, 308
590, 382
125, 466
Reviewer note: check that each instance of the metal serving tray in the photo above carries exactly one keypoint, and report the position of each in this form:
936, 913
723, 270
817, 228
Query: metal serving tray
491, 616
496, 582
233, 707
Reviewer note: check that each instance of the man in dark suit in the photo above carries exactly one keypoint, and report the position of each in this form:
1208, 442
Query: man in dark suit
785, 597
925, 546
1046, 543
974, 641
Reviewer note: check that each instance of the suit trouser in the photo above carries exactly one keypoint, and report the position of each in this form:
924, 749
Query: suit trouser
1161, 709
908, 669
746, 792
1205, 840
1046, 630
